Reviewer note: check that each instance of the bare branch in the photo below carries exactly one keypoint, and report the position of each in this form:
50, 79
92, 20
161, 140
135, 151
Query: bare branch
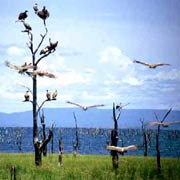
39, 108
166, 114
42, 39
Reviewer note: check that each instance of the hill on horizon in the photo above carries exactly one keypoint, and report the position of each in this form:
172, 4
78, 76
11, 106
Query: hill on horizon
92, 118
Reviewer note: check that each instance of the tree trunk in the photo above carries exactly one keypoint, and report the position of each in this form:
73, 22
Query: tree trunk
44, 137
158, 154
145, 143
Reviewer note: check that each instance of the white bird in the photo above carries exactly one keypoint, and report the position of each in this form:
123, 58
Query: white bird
122, 149
27, 96
35, 7
54, 95
163, 124
85, 108
150, 65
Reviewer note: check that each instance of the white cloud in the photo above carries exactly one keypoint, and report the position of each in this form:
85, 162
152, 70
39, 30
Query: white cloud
15, 51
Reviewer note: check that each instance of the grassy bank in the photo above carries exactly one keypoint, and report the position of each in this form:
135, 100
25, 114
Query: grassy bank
88, 167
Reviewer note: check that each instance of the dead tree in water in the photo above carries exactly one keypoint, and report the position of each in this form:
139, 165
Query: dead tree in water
76, 143
32, 70
159, 123
114, 136
42, 117
145, 141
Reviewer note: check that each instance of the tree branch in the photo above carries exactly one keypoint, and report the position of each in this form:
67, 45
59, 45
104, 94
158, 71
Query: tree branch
42, 39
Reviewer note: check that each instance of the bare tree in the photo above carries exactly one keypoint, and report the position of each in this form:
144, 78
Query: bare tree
76, 143
159, 124
32, 71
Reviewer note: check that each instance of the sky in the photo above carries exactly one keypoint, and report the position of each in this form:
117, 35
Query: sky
98, 40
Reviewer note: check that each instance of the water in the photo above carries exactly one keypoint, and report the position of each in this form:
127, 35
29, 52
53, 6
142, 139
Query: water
92, 141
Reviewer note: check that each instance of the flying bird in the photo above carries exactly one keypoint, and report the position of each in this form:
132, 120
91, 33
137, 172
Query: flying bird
27, 96
163, 124
85, 108
43, 73
21, 69
122, 149
35, 7
22, 16
150, 65
54, 95
48, 95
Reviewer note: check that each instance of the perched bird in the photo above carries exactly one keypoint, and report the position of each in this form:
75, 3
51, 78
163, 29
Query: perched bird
22, 16
43, 73
27, 96
44, 51
151, 65
27, 26
52, 46
54, 95
43, 14
120, 106
21, 69
35, 7
48, 95
84, 108
163, 124
122, 149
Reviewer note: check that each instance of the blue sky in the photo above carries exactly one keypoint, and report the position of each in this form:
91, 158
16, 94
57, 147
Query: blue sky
98, 41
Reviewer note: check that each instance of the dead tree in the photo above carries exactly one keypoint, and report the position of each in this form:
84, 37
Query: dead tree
13, 172
114, 136
76, 143
159, 124
31, 69
60, 156
42, 117
145, 141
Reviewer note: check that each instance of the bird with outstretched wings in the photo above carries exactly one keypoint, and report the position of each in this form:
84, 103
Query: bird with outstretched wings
122, 149
21, 69
163, 124
84, 108
150, 65
43, 73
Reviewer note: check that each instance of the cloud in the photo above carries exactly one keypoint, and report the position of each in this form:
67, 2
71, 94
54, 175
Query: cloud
118, 67
15, 51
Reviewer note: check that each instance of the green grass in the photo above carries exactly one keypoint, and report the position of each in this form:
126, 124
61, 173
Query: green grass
88, 167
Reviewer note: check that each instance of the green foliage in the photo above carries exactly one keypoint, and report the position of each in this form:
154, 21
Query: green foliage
88, 167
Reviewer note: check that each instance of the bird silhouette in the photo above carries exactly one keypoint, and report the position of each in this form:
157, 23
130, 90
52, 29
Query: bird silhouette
54, 95
85, 108
42, 73
43, 14
122, 149
150, 65
163, 124
21, 69
22, 16
27, 96
48, 95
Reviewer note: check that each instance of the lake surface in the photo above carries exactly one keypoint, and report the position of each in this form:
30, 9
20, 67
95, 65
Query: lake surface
92, 140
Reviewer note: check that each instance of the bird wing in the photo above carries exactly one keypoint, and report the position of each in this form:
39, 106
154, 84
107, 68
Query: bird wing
131, 147
160, 64
76, 104
153, 123
141, 62
174, 122
8, 64
96, 105
43, 73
